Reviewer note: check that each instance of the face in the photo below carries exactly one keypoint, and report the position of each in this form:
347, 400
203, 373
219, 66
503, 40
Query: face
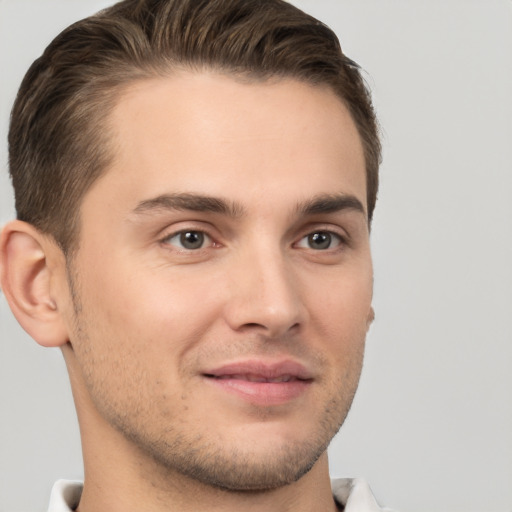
223, 282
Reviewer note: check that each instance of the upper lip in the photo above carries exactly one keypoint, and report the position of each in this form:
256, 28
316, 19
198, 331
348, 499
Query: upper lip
258, 369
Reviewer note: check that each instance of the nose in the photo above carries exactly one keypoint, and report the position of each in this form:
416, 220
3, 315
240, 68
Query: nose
265, 295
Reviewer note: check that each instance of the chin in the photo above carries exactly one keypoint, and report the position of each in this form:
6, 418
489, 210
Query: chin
237, 472
261, 460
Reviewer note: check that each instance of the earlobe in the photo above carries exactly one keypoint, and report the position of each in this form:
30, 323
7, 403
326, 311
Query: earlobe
25, 278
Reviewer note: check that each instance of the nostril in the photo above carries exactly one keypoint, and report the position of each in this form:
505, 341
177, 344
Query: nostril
254, 325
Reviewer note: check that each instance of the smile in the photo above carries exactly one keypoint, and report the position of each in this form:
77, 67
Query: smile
261, 383
256, 378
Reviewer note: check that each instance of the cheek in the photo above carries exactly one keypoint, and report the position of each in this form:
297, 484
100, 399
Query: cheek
340, 317
344, 302
152, 313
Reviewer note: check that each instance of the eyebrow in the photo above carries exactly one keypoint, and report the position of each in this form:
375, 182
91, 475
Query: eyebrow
330, 203
192, 202
324, 203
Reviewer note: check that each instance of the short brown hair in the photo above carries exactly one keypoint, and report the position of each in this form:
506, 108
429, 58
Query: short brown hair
58, 141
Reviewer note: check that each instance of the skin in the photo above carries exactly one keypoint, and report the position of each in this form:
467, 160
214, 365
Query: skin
280, 273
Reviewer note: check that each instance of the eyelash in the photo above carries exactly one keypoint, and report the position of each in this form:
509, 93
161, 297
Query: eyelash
323, 235
182, 233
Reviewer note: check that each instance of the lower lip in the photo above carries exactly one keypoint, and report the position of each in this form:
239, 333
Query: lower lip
262, 393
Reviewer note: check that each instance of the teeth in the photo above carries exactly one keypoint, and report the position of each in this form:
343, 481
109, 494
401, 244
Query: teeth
257, 378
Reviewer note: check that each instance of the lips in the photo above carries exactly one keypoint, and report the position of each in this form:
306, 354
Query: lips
266, 370
261, 382
257, 378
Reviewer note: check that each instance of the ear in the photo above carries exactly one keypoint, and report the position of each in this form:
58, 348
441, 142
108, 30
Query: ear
29, 267
370, 319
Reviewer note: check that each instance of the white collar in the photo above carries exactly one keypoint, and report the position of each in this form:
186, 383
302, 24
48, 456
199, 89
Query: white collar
65, 495
354, 494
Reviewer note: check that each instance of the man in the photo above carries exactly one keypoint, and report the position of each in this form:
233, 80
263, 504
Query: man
195, 182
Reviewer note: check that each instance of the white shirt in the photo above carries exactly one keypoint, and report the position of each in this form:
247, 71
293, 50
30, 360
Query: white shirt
353, 494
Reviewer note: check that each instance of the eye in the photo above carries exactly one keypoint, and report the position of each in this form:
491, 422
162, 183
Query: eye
189, 240
320, 241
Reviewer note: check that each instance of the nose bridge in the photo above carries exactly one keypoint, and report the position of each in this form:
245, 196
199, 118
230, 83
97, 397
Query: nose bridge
265, 293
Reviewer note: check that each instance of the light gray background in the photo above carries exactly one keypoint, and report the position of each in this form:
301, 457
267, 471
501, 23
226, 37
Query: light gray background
431, 428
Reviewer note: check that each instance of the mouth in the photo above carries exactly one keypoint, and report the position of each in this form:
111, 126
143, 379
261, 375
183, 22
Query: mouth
256, 378
261, 383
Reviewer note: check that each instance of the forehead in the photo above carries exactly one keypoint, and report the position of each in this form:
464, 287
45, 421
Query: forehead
211, 134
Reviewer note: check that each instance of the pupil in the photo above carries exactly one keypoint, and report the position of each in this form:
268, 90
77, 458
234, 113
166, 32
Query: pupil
192, 239
319, 240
